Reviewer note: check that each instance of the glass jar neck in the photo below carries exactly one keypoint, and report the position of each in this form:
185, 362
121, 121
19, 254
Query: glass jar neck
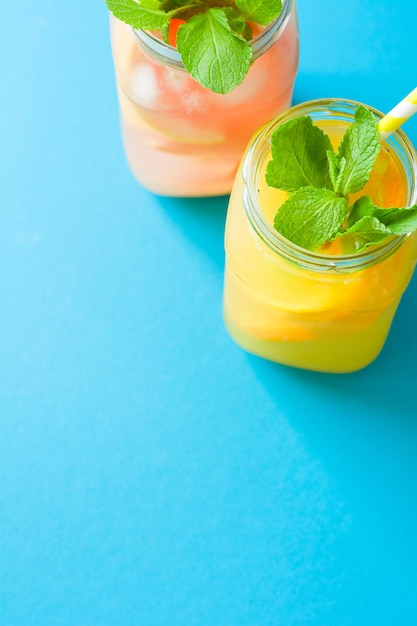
260, 44
258, 152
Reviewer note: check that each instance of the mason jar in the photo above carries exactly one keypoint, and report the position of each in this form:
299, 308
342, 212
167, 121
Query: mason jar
324, 311
182, 139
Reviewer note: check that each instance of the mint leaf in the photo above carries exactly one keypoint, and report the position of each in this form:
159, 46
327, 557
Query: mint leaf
214, 41
215, 56
398, 221
361, 208
366, 231
310, 217
336, 168
299, 156
260, 11
359, 148
165, 32
147, 15
236, 21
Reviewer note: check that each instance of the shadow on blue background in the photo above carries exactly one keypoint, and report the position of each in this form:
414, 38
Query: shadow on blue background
202, 220
395, 363
361, 429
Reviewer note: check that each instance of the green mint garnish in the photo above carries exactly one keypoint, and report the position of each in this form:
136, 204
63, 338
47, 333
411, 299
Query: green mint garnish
311, 216
147, 15
299, 156
214, 40
365, 232
259, 11
351, 167
204, 41
399, 221
319, 182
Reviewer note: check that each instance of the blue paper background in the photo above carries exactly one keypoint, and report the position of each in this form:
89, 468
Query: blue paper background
152, 473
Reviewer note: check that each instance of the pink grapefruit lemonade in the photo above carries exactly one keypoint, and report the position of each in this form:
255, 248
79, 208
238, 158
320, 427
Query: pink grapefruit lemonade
182, 139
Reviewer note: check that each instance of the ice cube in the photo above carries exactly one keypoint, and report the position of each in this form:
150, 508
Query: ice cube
144, 86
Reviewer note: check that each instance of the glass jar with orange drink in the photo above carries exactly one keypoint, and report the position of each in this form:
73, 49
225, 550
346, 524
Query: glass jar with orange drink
322, 310
181, 138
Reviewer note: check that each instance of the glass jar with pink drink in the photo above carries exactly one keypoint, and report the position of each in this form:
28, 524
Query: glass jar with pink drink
181, 137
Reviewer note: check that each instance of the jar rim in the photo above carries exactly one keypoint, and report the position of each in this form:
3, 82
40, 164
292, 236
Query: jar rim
255, 157
260, 43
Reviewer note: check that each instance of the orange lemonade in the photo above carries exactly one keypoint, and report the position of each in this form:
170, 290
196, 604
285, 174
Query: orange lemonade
182, 139
320, 310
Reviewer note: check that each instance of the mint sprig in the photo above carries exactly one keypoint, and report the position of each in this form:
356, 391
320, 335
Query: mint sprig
311, 216
207, 39
319, 180
214, 41
299, 156
351, 167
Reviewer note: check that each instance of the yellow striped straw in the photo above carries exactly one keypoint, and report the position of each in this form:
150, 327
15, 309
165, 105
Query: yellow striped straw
398, 115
